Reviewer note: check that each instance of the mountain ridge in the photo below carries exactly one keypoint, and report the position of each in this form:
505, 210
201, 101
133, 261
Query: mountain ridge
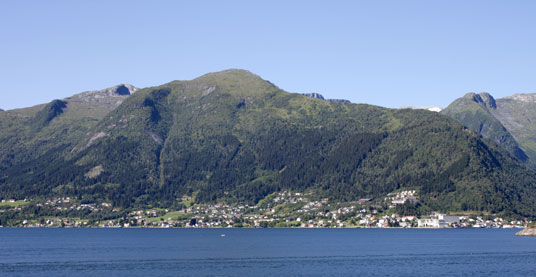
316, 95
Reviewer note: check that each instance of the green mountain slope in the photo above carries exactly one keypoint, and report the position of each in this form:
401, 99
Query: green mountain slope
518, 114
28, 134
507, 121
476, 111
233, 137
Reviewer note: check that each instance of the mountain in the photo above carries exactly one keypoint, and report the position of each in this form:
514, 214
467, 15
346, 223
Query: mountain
96, 104
233, 137
518, 114
34, 133
506, 121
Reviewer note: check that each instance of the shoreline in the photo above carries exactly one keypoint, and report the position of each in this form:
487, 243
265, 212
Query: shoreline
222, 228
529, 231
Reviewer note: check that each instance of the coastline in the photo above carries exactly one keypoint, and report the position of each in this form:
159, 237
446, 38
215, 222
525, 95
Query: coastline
529, 231
533, 230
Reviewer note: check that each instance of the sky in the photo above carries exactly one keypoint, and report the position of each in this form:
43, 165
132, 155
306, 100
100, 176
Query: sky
386, 53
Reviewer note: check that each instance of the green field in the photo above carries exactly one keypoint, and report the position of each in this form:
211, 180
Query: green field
18, 203
174, 215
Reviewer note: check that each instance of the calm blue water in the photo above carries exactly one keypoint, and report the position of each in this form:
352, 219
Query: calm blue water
266, 252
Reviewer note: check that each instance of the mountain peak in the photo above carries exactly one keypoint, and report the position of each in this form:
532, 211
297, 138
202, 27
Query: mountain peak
97, 103
232, 73
238, 82
473, 96
121, 91
485, 99
488, 100
479, 113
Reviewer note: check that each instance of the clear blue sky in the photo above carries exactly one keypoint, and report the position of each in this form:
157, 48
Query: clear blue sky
387, 53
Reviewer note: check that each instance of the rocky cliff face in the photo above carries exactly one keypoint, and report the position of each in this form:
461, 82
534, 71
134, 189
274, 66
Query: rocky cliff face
113, 96
484, 99
488, 100
97, 103
314, 95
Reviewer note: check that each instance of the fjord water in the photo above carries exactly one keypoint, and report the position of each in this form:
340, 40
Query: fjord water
266, 252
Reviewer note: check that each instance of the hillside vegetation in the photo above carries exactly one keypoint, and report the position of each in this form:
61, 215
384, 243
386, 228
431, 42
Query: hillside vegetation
507, 121
232, 137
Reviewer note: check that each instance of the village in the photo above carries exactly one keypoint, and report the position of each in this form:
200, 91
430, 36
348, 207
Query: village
281, 209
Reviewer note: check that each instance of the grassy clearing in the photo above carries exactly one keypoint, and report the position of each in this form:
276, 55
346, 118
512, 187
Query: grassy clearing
174, 215
18, 203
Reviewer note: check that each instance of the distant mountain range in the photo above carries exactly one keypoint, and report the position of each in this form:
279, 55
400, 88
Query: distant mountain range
233, 137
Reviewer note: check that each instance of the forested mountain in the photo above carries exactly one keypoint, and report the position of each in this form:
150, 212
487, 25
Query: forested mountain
31, 134
507, 121
476, 112
233, 137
